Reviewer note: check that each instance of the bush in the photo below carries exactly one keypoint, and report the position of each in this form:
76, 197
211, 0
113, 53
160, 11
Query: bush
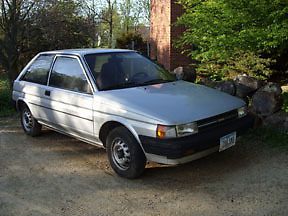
126, 39
231, 36
6, 108
241, 63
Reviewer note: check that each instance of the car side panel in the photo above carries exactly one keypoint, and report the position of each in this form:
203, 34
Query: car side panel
69, 111
32, 94
65, 110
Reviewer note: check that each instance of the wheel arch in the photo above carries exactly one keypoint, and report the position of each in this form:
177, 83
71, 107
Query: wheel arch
110, 125
20, 104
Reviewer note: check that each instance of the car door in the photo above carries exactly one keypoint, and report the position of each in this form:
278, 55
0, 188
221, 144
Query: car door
70, 98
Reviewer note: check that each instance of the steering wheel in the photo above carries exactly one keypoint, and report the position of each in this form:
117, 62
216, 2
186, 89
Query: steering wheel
139, 76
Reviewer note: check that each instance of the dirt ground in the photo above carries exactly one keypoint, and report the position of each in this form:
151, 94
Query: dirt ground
57, 175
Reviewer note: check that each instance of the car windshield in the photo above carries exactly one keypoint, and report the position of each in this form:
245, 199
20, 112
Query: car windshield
125, 70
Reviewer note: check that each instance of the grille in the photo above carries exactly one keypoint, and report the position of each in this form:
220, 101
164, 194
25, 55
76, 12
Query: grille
214, 120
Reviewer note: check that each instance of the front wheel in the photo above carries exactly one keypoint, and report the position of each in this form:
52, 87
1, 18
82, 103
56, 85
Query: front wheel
125, 154
29, 123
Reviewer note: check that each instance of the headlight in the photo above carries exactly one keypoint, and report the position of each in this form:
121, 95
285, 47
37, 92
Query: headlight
176, 131
187, 129
242, 112
166, 131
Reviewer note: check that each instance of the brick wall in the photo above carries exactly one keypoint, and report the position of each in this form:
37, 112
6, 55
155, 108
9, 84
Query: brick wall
163, 33
160, 31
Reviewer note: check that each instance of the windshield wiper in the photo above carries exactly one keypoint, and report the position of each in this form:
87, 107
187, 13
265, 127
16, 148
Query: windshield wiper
155, 81
121, 86
135, 84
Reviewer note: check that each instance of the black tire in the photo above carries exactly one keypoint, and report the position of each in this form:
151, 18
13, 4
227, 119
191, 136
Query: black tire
125, 154
29, 124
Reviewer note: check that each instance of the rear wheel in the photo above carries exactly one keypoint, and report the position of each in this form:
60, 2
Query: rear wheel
125, 154
29, 123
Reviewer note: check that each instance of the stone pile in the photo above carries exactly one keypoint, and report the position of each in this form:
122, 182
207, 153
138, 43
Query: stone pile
264, 99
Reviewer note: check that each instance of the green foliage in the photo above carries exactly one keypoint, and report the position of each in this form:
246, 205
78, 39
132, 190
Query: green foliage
29, 27
57, 25
285, 104
235, 35
240, 63
6, 108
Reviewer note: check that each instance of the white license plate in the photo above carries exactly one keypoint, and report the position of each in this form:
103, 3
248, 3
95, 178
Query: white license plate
227, 141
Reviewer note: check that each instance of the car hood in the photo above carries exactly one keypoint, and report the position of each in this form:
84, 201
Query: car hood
169, 103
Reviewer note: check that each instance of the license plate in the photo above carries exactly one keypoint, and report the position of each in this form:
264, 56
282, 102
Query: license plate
227, 141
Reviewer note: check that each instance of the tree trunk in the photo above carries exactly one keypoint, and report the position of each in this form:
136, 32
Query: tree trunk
110, 34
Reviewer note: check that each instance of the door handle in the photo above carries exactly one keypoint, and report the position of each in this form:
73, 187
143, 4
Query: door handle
47, 93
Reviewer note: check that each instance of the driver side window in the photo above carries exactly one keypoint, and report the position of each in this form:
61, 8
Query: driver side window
68, 74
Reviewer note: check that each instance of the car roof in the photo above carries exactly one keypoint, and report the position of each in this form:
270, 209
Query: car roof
82, 52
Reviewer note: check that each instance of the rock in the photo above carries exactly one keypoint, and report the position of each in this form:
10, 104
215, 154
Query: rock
227, 87
207, 82
243, 91
185, 73
246, 85
278, 120
250, 82
258, 121
267, 100
272, 88
178, 72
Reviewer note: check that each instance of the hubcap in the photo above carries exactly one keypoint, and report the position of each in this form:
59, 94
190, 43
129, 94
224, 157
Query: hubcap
27, 120
120, 154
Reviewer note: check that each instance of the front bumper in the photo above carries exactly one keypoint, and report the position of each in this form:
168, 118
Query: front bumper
205, 139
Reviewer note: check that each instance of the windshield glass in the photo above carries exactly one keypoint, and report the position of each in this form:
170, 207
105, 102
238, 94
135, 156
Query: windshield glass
125, 70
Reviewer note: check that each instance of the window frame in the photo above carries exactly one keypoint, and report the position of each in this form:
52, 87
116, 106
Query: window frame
31, 64
83, 71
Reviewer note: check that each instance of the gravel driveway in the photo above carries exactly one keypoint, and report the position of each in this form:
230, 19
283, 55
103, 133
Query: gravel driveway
57, 175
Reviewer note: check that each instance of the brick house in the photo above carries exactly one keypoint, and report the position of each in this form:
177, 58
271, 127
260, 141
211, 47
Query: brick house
164, 13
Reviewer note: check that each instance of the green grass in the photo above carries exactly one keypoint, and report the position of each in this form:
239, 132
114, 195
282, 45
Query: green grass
6, 108
269, 137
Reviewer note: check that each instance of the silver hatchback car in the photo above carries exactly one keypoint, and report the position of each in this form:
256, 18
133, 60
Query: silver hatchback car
127, 104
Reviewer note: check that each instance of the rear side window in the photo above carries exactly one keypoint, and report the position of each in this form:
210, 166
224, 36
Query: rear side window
39, 70
68, 74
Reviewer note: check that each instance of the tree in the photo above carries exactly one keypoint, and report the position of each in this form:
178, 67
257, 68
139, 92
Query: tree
126, 11
90, 8
13, 17
145, 7
134, 13
223, 31
107, 16
102, 12
57, 25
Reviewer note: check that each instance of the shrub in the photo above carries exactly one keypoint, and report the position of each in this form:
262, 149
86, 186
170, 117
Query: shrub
231, 36
6, 108
126, 39
241, 63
